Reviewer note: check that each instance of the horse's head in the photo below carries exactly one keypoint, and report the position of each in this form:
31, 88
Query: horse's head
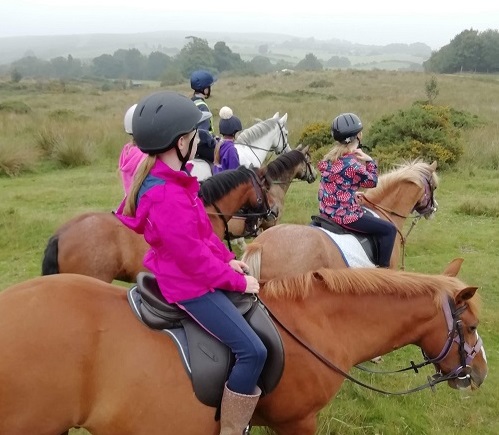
427, 206
306, 172
281, 144
263, 206
462, 361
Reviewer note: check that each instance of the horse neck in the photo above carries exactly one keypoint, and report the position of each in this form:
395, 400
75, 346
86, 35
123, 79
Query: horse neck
401, 200
256, 152
349, 329
234, 200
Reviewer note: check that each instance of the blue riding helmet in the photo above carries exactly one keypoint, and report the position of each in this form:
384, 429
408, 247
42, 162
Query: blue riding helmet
202, 79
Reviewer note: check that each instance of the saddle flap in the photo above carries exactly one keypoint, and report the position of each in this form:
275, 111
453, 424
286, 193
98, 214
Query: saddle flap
210, 361
265, 328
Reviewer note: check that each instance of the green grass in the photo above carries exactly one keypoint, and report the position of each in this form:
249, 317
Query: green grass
36, 202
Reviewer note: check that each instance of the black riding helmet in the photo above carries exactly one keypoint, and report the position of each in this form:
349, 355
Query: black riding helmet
345, 126
160, 118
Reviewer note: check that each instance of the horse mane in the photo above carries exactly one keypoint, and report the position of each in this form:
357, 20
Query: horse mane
368, 281
215, 187
415, 171
283, 163
256, 131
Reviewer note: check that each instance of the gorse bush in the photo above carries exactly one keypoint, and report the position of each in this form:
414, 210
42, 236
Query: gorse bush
318, 137
422, 131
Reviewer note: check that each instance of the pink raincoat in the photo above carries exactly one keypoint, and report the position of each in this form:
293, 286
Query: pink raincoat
186, 256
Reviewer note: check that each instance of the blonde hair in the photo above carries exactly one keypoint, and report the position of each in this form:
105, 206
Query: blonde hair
141, 174
216, 158
339, 150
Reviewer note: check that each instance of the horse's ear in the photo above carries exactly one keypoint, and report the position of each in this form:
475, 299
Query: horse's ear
453, 267
433, 166
465, 294
299, 147
284, 118
276, 116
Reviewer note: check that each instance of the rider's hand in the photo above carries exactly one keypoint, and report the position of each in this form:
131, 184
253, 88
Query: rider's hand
252, 285
239, 266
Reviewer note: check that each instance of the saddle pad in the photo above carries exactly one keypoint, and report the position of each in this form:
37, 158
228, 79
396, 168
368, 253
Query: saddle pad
350, 248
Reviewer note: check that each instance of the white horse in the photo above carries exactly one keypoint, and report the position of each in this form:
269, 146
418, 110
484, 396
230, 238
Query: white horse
253, 145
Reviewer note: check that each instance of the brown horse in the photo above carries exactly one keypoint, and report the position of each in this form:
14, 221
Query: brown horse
75, 355
410, 188
294, 165
99, 245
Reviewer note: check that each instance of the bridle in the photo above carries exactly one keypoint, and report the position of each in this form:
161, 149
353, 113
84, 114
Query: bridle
275, 148
425, 207
262, 210
455, 335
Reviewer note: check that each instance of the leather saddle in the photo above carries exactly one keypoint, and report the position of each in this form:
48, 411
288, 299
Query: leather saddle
206, 360
368, 242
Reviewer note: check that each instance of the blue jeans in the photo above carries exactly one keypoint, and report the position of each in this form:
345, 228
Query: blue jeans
218, 315
383, 230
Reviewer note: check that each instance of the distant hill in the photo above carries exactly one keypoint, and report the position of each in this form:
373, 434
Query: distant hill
248, 45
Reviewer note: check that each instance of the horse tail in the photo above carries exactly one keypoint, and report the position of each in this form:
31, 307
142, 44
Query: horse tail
50, 263
252, 256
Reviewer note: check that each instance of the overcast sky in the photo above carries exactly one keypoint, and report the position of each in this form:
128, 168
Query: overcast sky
434, 22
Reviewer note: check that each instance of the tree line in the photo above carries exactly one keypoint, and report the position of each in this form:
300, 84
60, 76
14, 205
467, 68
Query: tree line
469, 51
131, 64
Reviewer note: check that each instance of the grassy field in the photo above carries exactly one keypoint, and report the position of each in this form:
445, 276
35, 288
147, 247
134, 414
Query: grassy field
36, 202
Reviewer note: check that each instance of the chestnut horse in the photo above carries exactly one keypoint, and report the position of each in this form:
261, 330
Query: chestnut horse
99, 245
409, 188
74, 354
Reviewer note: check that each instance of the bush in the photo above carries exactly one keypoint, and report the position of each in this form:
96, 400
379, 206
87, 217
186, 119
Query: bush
14, 107
318, 137
423, 131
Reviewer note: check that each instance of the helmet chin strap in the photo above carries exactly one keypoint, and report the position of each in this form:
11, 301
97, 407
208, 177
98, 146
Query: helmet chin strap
185, 159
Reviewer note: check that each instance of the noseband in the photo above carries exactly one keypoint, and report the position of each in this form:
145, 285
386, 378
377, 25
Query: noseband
455, 335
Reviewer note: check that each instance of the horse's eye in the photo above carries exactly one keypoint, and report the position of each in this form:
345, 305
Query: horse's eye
473, 328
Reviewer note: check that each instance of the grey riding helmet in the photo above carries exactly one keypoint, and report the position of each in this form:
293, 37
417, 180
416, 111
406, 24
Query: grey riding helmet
160, 118
346, 126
